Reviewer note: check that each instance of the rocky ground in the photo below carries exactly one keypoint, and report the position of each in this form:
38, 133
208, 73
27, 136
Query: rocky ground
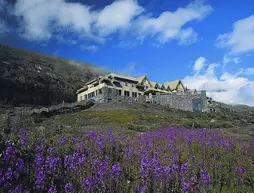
29, 78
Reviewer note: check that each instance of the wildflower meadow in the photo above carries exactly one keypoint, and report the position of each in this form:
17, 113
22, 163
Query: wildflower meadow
168, 160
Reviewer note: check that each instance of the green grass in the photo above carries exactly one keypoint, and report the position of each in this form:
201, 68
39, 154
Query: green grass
131, 121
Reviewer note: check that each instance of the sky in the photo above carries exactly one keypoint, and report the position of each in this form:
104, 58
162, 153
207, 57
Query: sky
208, 44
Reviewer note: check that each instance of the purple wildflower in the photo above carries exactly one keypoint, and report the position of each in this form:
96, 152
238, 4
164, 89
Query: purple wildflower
52, 163
20, 165
206, 177
9, 152
40, 178
189, 184
62, 139
8, 174
52, 190
175, 168
87, 183
68, 188
141, 189
23, 138
184, 169
116, 170
241, 171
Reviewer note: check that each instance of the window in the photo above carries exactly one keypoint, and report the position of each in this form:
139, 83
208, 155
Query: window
86, 96
134, 94
132, 85
126, 93
100, 91
126, 84
81, 98
110, 90
119, 92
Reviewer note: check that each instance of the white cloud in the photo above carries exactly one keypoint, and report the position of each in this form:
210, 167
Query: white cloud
42, 20
230, 59
246, 71
169, 25
199, 64
228, 88
241, 38
118, 15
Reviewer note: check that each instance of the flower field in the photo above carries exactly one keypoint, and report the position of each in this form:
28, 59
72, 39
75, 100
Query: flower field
166, 160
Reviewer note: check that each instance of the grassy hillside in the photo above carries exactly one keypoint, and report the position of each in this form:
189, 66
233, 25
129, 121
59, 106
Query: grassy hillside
36, 79
132, 119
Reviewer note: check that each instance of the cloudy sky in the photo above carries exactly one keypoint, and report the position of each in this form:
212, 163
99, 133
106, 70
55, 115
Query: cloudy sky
209, 44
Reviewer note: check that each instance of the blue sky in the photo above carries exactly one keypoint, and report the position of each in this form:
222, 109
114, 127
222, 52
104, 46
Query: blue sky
209, 44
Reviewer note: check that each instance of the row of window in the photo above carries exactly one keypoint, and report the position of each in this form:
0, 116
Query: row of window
91, 95
98, 92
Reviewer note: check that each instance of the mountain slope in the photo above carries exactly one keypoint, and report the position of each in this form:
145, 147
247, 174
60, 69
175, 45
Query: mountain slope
29, 78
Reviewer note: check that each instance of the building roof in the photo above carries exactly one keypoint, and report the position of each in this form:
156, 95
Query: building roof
154, 84
122, 77
139, 80
173, 84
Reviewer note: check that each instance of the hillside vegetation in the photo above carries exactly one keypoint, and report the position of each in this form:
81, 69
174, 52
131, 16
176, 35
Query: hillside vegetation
135, 118
31, 78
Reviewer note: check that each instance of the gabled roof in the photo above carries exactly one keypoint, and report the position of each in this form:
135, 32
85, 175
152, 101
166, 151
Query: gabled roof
141, 78
122, 77
154, 84
173, 84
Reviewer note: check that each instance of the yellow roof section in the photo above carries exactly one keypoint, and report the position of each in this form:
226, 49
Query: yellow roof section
141, 78
173, 84
154, 84
122, 76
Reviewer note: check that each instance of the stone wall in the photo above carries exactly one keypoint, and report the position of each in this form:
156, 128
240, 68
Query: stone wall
186, 101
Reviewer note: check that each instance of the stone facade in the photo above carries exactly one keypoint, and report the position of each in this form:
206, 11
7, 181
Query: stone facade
185, 101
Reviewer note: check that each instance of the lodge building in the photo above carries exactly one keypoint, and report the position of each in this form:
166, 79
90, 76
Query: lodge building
128, 86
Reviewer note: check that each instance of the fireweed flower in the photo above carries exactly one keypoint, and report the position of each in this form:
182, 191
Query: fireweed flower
8, 174
23, 138
184, 169
189, 184
52, 163
175, 168
116, 170
240, 171
20, 165
206, 177
39, 160
52, 190
68, 188
72, 162
8, 153
141, 189
62, 139
87, 184
18, 189
40, 147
